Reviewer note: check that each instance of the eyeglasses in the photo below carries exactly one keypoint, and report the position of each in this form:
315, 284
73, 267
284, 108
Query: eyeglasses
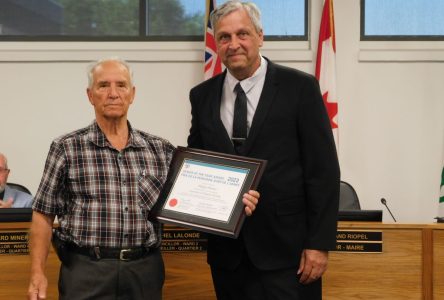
2, 170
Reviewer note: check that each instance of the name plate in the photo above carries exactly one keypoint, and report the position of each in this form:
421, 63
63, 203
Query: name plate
178, 239
14, 243
362, 241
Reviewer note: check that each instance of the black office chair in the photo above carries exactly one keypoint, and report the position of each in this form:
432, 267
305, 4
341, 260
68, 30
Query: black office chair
19, 187
348, 199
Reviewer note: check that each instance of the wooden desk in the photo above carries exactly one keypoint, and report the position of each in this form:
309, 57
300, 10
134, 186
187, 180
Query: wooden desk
411, 266
187, 273
14, 269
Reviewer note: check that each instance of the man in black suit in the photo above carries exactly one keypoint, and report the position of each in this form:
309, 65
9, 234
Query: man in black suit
282, 250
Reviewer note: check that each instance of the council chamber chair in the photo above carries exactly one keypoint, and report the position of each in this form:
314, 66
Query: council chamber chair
348, 199
19, 187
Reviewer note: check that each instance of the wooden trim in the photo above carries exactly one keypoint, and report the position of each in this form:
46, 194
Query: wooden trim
14, 225
379, 225
427, 264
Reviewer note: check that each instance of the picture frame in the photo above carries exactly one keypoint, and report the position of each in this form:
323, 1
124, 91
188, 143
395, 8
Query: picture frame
204, 191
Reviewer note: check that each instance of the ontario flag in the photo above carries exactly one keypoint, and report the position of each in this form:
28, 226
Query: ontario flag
213, 65
326, 66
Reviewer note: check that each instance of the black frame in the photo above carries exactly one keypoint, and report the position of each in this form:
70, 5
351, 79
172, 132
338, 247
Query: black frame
364, 215
143, 37
15, 214
232, 227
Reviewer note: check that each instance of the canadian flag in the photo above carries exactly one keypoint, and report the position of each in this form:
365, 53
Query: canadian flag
326, 66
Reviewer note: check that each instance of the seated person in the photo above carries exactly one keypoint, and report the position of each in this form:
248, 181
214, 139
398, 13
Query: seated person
10, 197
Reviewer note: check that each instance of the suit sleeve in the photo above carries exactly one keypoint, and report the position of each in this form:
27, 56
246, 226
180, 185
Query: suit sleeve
194, 138
320, 167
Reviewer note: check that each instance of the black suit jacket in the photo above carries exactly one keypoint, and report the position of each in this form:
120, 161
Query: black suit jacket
300, 186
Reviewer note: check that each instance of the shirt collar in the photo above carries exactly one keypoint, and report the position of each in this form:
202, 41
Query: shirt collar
248, 83
97, 137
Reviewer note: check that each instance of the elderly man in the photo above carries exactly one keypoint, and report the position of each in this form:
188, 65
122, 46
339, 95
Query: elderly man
263, 110
10, 197
101, 182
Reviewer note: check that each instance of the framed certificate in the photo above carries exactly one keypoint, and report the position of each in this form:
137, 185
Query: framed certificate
204, 191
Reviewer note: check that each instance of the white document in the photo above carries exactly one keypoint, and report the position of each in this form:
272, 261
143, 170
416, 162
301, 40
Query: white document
206, 190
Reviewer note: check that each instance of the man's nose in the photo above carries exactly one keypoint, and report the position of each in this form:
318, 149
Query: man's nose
234, 42
113, 91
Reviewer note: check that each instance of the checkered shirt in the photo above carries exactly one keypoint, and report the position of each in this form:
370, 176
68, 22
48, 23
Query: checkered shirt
102, 197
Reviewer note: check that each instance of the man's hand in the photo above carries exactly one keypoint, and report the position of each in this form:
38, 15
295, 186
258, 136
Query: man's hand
39, 244
37, 287
313, 264
250, 201
6, 203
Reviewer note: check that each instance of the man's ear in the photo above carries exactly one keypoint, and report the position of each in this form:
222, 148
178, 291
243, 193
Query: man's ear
261, 36
89, 93
134, 94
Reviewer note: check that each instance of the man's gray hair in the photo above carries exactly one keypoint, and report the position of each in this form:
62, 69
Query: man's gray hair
228, 7
92, 67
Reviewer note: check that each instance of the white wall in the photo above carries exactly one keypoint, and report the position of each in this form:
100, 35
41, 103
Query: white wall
391, 106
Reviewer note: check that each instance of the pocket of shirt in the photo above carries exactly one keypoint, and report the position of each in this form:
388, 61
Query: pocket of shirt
149, 188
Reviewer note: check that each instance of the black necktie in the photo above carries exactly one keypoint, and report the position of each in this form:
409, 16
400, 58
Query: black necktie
239, 118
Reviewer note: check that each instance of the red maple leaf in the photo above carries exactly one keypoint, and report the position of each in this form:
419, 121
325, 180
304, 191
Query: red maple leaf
332, 110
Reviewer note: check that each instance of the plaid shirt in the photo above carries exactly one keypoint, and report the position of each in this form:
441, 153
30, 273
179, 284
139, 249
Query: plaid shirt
102, 197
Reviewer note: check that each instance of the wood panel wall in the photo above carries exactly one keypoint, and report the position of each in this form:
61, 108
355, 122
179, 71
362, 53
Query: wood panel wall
411, 254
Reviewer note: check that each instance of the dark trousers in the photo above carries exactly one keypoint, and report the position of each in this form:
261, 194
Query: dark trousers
82, 277
246, 282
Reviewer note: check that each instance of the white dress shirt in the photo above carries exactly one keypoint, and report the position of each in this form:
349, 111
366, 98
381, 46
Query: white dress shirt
252, 87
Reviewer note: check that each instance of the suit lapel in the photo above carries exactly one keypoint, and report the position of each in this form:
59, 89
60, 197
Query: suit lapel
263, 107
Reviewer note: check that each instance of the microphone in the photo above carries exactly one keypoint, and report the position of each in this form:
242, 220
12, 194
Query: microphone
384, 202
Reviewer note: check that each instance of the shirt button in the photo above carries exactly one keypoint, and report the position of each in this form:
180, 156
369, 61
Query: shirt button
126, 235
126, 208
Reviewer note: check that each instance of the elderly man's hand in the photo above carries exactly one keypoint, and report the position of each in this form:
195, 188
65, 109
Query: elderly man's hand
250, 201
6, 203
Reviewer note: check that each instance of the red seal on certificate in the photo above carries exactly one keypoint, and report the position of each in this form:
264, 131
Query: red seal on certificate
172, 202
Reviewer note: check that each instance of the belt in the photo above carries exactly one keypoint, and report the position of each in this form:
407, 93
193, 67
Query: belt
124, 254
